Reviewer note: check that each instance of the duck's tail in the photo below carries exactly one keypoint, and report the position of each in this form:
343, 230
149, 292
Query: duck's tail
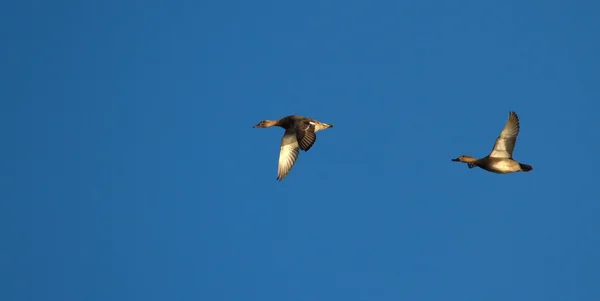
525, 167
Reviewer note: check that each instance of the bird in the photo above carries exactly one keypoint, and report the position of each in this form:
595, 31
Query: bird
500, 160
300, 133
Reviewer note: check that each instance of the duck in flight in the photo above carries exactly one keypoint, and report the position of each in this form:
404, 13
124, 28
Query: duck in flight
299, 134
500, 160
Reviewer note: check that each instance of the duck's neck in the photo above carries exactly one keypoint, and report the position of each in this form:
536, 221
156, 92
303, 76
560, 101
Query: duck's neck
468, 159
271, 123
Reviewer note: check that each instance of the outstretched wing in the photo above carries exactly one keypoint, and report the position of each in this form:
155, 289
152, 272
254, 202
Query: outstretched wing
288, 153
505, 144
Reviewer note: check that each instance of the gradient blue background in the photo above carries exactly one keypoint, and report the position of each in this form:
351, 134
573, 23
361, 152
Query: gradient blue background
131, 171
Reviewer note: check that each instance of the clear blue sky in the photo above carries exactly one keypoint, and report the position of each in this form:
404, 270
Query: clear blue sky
131, 171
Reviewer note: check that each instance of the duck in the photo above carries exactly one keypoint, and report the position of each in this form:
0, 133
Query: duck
500, 160
300, 134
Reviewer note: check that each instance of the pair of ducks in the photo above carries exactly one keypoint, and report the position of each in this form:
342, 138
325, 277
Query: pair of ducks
300, 134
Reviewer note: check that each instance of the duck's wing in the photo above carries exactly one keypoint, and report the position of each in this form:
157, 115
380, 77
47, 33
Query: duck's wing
505, 144
305, 133
288, 153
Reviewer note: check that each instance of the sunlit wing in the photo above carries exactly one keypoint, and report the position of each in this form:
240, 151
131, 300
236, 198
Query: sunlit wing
288, 153
505, 144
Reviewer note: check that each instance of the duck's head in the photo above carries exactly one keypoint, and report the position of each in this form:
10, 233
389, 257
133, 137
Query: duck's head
266, 124
465, 159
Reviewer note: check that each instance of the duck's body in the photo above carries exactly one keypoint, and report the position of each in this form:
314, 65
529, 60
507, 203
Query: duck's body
500, 160
499, 165
299, 134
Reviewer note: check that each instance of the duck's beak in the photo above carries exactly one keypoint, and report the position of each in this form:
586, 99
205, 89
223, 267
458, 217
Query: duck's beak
456, 160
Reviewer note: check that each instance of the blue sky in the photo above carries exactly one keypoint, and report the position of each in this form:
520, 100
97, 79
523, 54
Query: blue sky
131, 170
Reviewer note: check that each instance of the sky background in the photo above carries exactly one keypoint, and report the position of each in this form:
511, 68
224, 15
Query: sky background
130, 169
